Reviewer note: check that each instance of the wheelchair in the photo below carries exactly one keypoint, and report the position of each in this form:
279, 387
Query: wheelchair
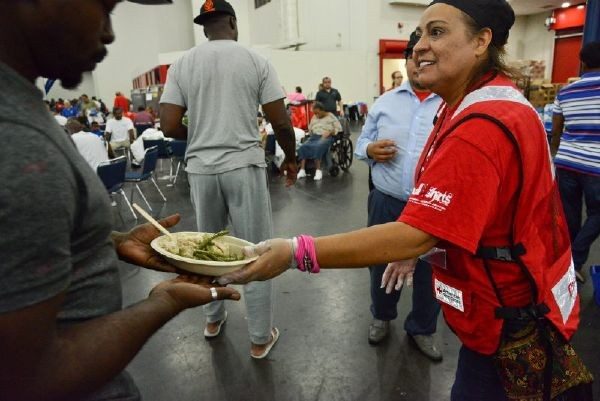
341, 151
340, 154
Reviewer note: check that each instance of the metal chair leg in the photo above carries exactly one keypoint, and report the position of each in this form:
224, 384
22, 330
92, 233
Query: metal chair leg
176, 173
143, 197
158, 189
128, 203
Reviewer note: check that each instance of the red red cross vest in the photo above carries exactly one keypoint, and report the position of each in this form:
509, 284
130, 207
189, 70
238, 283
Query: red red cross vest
540, 240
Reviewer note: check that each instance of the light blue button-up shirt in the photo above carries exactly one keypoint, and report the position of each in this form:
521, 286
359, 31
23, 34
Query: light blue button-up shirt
400, 116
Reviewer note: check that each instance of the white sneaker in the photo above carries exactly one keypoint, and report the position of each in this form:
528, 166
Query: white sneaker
318, 175
301, 174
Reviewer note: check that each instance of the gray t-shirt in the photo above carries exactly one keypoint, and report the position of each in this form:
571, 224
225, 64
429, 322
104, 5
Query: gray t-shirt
222, 83
55, 219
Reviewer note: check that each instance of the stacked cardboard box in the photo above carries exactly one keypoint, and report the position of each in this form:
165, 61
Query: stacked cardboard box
541, 94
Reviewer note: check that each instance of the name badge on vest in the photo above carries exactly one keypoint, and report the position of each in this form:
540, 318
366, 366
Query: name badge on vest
449, 295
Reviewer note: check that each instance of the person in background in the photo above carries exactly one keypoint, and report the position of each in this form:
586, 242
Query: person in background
119, 130
94, 114
89, 145
61, 120
322, 129
487, 200
142, 117
137, 147
121, 102
547, 114
103, 107
86, 105
96, 102
129, 113
151, 111
296, 97
330, 98
391, 142
64, 333
96, 130
69, 110
577, 154
397, 79
60, 104
221, 84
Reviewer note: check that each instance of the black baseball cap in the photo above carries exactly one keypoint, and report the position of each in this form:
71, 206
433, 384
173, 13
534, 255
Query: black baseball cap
411, 44
211, 8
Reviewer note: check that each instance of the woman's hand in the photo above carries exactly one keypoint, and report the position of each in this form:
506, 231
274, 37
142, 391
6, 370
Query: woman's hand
397, 273
134, 247
275, 257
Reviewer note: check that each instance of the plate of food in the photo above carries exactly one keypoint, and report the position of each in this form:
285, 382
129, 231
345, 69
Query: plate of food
212, 254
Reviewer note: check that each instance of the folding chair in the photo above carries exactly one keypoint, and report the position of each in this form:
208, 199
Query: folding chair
164, 152
178, 148
147, 174
140, 128
112, 174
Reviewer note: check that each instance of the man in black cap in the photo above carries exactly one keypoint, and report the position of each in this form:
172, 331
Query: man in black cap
221, 85
63, 335
391, 142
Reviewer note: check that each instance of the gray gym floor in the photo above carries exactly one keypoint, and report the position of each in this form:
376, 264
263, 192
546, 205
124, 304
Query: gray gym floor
322, 354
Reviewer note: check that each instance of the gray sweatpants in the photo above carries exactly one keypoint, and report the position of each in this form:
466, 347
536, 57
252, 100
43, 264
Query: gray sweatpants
239, 197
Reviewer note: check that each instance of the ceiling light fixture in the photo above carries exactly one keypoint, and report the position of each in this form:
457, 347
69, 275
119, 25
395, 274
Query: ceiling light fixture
566, 4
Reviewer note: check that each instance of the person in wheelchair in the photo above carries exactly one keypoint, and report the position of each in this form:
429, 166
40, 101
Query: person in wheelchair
322, 129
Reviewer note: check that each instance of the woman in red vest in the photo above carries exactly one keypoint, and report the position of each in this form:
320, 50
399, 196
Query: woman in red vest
486, 210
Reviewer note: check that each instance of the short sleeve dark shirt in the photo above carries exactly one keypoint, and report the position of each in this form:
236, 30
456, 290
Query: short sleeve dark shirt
329, 99
56, 220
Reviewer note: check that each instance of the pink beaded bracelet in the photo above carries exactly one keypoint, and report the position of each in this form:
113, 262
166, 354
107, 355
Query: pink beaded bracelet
306, 255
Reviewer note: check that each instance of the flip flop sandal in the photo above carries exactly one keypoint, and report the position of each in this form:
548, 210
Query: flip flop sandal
274, 338
207, 334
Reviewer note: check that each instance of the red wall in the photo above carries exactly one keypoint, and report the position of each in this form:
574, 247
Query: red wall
566, 50
566, 18
566, 58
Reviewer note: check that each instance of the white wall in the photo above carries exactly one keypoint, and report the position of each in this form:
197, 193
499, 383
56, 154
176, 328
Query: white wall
265, 22
539, 42
342, 39
530, 40
335, 30
87, 86
517, 41
299, 69
142, 33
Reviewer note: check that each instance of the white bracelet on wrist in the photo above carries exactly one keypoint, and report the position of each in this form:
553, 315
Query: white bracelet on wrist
294, 243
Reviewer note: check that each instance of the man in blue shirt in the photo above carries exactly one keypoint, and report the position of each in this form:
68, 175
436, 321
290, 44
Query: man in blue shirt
70, 110
391, 142
577, 160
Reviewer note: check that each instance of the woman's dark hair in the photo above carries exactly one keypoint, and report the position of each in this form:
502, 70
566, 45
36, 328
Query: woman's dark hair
496, 53
590, 55
298, 89
318, 106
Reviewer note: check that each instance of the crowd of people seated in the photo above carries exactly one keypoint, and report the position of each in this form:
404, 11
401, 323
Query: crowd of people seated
98, 132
